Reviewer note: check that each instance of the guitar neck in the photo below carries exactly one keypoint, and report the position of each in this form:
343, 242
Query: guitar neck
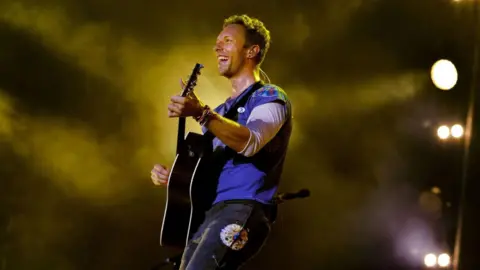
181, 127
192, 81
181, 133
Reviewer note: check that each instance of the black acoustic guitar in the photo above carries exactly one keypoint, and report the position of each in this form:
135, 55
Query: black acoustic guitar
191, 185
193, 179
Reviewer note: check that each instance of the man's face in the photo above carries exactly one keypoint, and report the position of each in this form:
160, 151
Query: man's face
230, 50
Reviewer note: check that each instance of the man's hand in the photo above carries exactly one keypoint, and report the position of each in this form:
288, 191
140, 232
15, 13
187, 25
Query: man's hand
159, 175
185, 106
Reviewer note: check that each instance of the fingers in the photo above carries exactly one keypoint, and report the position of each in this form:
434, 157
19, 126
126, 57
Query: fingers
173, 114
182, 106
160, 168
174, 110
156, 180
178, 100
159, 175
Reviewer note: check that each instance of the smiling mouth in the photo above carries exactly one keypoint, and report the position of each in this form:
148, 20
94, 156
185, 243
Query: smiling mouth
222, 59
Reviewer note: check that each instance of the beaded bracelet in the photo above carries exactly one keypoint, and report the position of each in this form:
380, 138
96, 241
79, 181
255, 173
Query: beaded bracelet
203, 119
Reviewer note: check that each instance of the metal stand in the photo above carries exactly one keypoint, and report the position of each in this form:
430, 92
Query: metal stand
468, 137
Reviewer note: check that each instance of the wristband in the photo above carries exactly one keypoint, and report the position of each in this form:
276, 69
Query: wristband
205, 116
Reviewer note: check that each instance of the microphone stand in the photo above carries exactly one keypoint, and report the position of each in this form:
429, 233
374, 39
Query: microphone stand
287, 196
277, 200
284, 197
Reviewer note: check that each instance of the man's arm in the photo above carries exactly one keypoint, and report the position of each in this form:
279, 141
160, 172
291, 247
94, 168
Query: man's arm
267, 117
262, 125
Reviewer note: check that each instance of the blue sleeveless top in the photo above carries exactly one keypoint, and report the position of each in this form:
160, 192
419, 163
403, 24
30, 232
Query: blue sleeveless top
256, 177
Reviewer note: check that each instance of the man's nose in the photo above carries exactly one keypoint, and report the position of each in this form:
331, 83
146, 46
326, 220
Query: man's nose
218, 47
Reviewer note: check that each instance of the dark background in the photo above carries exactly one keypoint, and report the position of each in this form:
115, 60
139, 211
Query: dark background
83, 92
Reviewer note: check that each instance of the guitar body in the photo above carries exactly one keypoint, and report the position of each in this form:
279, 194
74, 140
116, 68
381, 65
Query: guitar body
190, 192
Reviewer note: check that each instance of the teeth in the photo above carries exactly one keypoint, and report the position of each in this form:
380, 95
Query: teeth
222, 58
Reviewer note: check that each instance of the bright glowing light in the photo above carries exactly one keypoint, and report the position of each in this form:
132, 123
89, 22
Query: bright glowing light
444, 74
444, 260
430, 260
443, 132
456, 131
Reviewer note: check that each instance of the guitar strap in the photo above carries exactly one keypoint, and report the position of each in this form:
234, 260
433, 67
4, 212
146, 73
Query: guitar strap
233, 110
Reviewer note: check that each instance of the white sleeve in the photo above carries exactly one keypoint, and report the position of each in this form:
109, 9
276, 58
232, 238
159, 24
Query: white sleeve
264, 122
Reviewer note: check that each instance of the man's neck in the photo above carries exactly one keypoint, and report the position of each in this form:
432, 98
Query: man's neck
243, 80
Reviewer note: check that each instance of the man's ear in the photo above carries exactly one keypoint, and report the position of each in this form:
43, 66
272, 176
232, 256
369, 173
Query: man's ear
253, 51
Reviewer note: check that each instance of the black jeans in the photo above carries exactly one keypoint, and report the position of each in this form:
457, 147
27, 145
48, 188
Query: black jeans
232, 233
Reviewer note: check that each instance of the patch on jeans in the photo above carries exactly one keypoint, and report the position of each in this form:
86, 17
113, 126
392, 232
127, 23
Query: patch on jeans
234, 236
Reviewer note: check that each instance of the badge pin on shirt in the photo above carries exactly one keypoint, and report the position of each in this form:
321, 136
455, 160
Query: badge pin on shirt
241, 110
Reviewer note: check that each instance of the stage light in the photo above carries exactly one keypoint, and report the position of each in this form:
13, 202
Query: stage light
456, 131
444, 74
436, 190
443, 132
430, 260
444, 260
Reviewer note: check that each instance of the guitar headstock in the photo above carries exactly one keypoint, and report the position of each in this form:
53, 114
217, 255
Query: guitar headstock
192, 79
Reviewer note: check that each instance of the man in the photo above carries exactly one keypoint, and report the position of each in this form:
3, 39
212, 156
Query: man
237, 225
